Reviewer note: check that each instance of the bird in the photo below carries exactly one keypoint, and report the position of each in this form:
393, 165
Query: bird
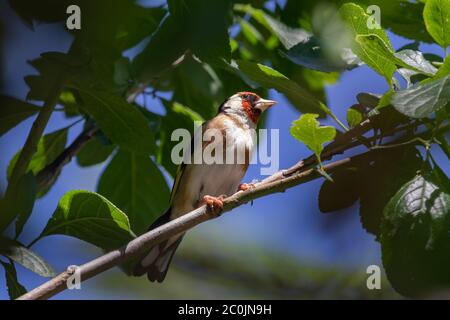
198, 184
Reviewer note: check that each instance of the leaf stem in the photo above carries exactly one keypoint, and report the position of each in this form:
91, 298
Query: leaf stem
33, 138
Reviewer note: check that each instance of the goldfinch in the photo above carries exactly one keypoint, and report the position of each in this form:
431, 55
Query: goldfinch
199, 184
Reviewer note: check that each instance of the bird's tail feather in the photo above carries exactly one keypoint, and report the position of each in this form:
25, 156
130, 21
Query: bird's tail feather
156, 262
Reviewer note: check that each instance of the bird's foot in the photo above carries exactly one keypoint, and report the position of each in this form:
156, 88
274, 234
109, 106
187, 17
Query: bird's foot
246, 186
214, 204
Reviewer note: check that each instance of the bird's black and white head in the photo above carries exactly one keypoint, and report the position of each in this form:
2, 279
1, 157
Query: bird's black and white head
247, 106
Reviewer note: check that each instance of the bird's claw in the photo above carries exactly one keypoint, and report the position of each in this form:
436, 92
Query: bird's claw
246, 186
214, 204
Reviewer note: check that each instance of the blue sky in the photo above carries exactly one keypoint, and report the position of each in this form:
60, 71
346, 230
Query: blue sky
289, 222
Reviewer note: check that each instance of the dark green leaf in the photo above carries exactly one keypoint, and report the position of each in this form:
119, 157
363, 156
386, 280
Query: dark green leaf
94, 152
437, 20
382, 179
13, 112
206, 24
25, 257
161, 52
308, 130
198, 86
50, 66
415, 241
18, 203
354, 117
201, 26
15, 289
422, 100
311, 55
136, 185
119, 120
91, 218
340, 193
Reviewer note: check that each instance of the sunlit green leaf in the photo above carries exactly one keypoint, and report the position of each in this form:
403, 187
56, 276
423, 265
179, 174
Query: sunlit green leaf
92, 218
271, 78
437, 20
49, 148
308, 130
354, 117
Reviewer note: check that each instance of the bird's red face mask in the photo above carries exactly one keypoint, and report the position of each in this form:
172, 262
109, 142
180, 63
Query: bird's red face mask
254, 105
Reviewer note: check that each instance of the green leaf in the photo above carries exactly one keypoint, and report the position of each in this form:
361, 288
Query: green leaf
415, 242
18, 203
198, 86
356, 19
308, 130
161, 52
403, 18
50, 66
340, 193
354, 117
311, 55
136, 185
15, 289
68, 100
206, 24
49, 148
415, 60
13, 112
252, 34
271, 78
437, 20
90, 217
424, 99
382, 178
288, 36
122, 122
443, 70
201, 27
376, 53
25, 257
94, 152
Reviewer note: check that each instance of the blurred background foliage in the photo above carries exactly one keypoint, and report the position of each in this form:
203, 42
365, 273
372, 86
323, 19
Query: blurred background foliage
137, 70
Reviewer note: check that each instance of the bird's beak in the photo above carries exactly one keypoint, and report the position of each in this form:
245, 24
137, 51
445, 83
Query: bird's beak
264, 104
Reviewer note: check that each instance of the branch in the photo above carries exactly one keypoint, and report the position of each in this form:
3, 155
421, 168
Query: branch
140, 245
46, 177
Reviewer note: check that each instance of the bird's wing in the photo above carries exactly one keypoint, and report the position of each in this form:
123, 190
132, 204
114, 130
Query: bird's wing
176, 182
182, 167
